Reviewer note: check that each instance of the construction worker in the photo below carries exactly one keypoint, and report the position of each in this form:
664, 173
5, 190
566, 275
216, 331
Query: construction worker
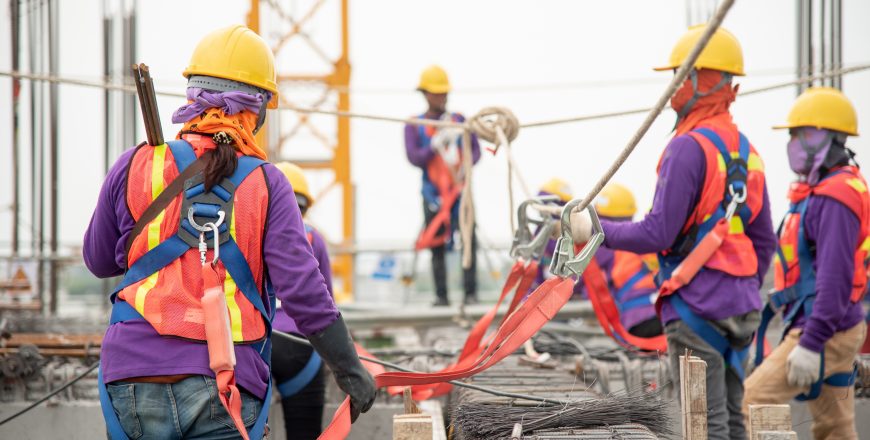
228, 231
629, 275
297, 368
438, 152
820, 270
710, 186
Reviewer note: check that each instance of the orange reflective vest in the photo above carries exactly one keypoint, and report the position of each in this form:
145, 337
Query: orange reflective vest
169, 299
794, 276
732, 164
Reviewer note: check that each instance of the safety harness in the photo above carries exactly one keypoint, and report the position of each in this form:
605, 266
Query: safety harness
797, 294
442, 186
677, 269
203, 225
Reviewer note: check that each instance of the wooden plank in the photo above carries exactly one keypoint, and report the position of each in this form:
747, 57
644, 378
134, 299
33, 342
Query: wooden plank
433, 408
768, 418
55, 339
776, 435
412, 427
693, 397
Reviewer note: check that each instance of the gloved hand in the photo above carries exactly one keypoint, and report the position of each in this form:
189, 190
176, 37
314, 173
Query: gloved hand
581, 226
803, 367
334, 345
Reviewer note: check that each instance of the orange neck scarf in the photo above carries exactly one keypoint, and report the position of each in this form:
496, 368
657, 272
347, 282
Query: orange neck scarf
706, 106
239, 127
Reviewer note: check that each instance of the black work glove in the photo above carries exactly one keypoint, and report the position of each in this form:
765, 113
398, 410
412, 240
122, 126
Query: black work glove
335, 346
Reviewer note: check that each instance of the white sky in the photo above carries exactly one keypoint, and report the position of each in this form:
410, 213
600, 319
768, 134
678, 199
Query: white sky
553, 49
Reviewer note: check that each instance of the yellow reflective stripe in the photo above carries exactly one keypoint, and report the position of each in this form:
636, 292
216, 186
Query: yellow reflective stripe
755, 163
735, 225
157, 186
230, 289
865, 245
857, 184
721, 161
787, 252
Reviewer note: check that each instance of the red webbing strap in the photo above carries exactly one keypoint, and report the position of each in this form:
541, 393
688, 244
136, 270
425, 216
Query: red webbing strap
428, 238
473, 345
540, 307
692, 264
608, 313
231, 399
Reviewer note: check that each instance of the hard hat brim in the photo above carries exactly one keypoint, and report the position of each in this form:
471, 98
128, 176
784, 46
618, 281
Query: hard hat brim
790, 126
435, 89
663, 68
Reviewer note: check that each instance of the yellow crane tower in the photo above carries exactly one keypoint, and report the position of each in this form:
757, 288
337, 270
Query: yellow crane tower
337, 82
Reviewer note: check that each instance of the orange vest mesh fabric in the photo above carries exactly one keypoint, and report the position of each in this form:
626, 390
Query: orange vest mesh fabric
736, 256
626, 265
170, 299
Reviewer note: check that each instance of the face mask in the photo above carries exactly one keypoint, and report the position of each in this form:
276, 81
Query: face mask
807, 150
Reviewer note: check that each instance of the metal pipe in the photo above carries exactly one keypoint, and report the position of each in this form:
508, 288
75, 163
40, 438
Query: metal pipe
837, 41
53, 50
822, 38
15, 30
40, 285
107, 94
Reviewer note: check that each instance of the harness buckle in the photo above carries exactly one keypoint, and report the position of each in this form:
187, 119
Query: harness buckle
737, 199
565, 262
210, 226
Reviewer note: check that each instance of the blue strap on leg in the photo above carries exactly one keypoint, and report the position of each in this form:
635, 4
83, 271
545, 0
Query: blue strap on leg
636, 303
766, 316
295, 384
113, 425
733, 358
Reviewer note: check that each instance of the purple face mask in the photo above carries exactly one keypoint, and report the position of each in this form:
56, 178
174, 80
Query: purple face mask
807, 150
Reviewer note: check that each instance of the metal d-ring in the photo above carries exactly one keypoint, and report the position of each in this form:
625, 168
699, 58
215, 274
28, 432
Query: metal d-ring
190, 218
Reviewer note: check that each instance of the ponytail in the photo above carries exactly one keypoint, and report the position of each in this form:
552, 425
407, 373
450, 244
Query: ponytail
222, 164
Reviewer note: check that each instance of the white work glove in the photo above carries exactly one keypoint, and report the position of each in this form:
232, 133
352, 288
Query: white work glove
803, 367
581, 226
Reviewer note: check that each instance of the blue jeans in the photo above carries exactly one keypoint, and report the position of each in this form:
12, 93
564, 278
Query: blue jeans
189, 409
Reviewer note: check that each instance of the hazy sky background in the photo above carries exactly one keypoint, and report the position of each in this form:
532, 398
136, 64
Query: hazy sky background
541, 59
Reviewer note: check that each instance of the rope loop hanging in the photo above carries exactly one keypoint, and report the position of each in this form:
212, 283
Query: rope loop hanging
496, 125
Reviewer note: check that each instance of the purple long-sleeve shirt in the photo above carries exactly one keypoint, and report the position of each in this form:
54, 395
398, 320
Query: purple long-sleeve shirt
134, 348
712, 294
284, 322
420, 156
834, 229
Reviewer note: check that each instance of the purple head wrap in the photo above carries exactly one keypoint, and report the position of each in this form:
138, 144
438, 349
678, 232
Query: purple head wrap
807, 151
230, 102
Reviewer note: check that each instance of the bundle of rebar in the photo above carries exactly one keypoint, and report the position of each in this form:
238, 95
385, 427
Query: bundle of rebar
621, 432
478, 420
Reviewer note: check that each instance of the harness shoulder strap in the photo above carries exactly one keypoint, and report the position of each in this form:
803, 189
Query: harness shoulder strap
188, 166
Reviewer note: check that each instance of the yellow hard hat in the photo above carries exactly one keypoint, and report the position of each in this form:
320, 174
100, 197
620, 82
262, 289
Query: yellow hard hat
558, 187
823, 107
297, 180
722, 53
236, 53
434, 80
615, 200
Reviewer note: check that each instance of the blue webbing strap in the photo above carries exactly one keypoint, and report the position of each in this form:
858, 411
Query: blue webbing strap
182, 153
154, 260
295, 384
636, 303
835, 380
113, 424
733, 358
642, 272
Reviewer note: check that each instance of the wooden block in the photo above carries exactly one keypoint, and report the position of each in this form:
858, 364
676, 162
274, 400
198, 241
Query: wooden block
776, 435
768, 418
693, 397
412, 427
433, 409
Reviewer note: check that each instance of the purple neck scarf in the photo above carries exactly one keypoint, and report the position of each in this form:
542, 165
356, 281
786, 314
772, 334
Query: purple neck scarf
230, 102
807, 151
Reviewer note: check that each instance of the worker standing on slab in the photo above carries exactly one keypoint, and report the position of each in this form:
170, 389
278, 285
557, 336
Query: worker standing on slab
710, 187
228, 229
820, 269
438, 152
298, 369
630, 276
